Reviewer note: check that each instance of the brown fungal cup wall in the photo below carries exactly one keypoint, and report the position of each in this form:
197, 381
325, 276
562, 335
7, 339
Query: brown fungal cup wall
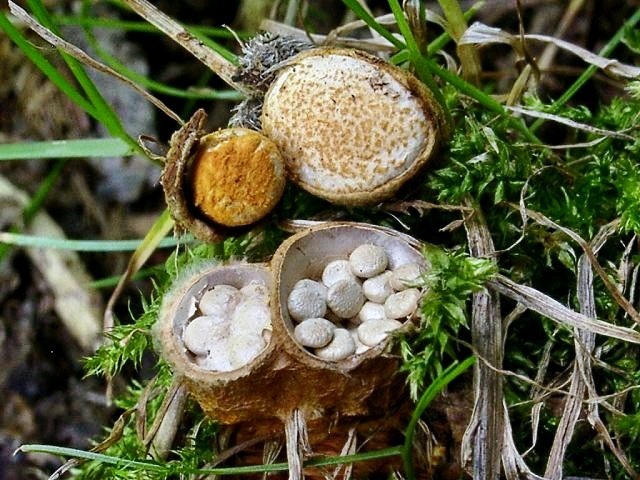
285, 377
230, 178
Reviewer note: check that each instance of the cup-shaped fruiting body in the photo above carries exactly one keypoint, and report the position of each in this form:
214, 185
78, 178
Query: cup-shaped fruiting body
228, 342
351, 127
229, 178
323, 253
274, 364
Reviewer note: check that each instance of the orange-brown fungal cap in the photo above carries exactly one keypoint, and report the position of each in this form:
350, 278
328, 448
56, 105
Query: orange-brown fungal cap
237, 177
229, 178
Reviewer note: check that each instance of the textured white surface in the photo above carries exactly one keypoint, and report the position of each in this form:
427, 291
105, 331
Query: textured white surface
336, 270
220, 300
203, 331
368, 260
402, 304
371, 311
344, 124
341, 347
377, 289
308, 299
314, 332
373, 332
345, 298
405, 275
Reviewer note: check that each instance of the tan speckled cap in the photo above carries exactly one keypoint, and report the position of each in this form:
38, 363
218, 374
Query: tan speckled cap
351, 127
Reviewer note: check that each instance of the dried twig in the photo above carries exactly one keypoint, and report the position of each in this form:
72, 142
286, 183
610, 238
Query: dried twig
216, 62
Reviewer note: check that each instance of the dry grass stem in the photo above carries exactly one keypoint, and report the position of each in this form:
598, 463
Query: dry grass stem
377, 44
586, 248
483, 438
554, 310
297, 443
78, 307
170, 414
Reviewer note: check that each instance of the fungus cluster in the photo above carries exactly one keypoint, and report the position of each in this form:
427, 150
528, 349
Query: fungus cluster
354, 304
340, 123
230, 326
273, 378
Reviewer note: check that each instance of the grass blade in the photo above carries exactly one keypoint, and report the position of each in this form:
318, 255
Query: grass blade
356, 8
168, 468
22, 240
45, 67
134, 26
589, 71
107, 115
143, 80
415, 56
447, 376
152, 240
90, 147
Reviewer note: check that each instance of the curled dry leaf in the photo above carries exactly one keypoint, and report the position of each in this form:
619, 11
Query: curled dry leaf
481, 34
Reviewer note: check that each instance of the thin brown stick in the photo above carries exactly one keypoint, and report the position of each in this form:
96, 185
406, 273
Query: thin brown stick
212, 59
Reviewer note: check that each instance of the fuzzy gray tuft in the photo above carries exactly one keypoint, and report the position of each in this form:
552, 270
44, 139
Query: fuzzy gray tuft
247, 114
261, 54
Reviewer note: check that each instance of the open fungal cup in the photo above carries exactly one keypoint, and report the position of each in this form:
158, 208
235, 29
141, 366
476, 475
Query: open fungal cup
352, 128
228, 332
217, 320
346, 269
226, 179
